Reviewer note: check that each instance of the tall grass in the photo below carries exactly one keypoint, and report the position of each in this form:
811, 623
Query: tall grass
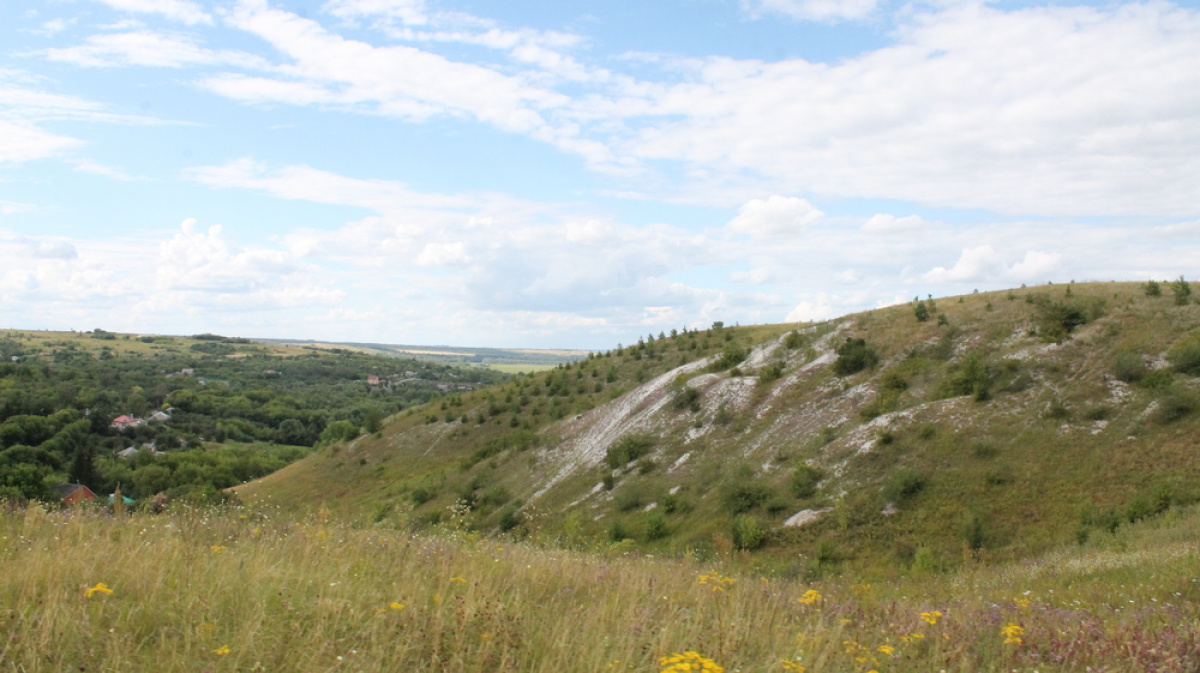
238, 590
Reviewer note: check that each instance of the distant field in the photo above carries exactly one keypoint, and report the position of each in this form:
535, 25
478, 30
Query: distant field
521, 369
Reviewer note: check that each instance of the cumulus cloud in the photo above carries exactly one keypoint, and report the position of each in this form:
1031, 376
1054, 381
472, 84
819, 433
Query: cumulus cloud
815, 308
774, 217
983, 263
210, 261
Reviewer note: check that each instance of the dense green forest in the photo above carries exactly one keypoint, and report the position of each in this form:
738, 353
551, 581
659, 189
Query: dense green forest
202, 413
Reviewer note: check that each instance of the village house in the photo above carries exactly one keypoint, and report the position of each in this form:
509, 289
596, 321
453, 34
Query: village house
73, 494
124, 422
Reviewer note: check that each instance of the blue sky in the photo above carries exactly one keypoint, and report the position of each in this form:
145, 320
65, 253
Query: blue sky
476, 172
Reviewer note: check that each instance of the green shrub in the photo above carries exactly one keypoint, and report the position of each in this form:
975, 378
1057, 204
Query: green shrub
628, 449
972, 377
732, 355
795, 340
630, 497
685, 398
921, 311
1184, 355
338, 431
854, 356
902, 485
772, 372
1182, 291
1128, 366
974, 530
804, 481
748, 533
510, 517
1056, 320
743, 497
1176, 403
656, 526
1152, 288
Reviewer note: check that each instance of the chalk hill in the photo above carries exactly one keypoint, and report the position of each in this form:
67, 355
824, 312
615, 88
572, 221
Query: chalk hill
1001, 425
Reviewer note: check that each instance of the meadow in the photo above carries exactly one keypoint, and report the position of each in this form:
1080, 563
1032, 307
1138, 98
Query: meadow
242, 589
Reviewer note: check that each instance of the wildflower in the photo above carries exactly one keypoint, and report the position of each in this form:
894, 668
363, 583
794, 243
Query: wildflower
793, 666
811, 596
217, 548
396, 606
221, 651
715, 580
885, 649
1012, 634
689, 661
100, 588
1021, 603
932, 617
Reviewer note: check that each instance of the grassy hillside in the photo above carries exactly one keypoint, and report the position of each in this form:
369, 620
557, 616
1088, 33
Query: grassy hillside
254, 590
1002, 426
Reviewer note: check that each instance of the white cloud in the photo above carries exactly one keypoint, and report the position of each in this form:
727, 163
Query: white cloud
815, 10
444, 254
147, 48
412, 12
889, 224
757, 276
775, 216
24, 142
397, 81
210, 261
983, 263
816, 308
182, 11
1050, 110
94, 168
1036, 265
13, 207
53, 249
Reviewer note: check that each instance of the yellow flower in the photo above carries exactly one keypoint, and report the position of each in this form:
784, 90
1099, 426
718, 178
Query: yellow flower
885, 649
1021, 603
221, 651
100, 588
689, 661
714, 581
217, 548
396, 606
811, 596
1012, 634
931, 617
793, 666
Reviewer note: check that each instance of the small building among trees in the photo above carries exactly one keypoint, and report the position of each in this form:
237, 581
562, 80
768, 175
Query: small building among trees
73, 494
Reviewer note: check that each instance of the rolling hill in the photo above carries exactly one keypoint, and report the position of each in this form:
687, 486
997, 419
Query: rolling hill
1000, 426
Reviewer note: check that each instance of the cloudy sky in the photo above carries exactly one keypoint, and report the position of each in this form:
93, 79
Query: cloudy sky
576, 174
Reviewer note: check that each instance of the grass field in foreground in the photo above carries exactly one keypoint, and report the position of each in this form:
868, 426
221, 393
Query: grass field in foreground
242, 590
